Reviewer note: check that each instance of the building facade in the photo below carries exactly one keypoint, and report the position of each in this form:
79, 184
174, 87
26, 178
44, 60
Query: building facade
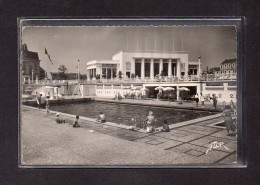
228, 66
143, 65
30, 64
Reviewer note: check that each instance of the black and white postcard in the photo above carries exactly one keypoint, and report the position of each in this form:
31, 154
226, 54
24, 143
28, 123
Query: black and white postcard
129, 94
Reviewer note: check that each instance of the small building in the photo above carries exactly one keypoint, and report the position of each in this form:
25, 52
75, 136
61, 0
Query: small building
30, 64
143, 64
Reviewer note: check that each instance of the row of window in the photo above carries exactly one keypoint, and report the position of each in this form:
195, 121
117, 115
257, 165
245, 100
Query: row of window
225, 66
225, 72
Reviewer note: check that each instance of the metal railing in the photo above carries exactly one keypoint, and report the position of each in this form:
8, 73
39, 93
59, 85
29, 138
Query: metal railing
188, 78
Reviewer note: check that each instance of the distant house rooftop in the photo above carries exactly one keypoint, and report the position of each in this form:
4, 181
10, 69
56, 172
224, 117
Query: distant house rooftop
229, 61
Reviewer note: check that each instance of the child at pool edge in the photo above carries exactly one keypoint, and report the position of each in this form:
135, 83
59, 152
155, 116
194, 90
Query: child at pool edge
59, 120
101, 118
165, 127
150, 122
76, 123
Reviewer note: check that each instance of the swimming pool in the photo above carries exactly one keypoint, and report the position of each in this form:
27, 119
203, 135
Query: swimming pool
128, 114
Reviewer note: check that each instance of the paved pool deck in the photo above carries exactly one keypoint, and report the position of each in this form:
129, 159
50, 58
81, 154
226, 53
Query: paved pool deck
43, 142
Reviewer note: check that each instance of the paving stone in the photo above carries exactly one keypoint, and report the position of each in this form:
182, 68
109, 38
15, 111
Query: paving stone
223, 134
195, 153
186, 147
211, 157
199, 129
207, 140
207, 122
154, 142
229, 160
179, 135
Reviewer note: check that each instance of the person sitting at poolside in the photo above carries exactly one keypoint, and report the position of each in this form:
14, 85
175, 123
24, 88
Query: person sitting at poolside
115, 97
165, 127
59, 120
101, 118
76, 122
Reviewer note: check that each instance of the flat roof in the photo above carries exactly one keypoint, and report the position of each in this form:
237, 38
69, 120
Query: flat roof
148, 51
92, 62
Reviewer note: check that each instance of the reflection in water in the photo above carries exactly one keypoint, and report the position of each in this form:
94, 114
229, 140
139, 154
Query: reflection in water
128, 114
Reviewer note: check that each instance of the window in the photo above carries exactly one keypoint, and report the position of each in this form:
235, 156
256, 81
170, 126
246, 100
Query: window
220, 95
225, 66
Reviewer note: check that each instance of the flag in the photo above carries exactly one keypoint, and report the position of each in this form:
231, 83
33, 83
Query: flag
46, 52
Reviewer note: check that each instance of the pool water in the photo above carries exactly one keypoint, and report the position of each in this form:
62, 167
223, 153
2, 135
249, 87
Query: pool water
128, 114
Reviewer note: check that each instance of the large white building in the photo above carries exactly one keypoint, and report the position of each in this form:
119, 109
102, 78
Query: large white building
144, 65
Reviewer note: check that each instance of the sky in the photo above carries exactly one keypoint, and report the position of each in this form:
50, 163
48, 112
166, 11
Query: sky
67, 45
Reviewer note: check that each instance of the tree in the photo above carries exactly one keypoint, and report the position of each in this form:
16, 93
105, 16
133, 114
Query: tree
62, 70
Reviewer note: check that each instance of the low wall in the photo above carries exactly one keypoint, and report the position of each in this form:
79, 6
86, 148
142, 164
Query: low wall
34, 103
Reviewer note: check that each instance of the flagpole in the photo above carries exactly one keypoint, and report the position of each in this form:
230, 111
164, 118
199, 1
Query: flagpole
137, 44
78, 71
173, 45
145, 43
155, 42
127, 42
45, 70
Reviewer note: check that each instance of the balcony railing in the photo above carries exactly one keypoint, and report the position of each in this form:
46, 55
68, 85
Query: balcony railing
189, 78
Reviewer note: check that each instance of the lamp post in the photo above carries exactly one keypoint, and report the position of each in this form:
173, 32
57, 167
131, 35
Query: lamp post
199, 66
32, 75
78, 71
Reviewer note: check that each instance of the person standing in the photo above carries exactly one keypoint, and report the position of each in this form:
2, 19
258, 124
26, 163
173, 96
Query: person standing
119, 97
202, 99
233, 107
215, 100
230, 125
38, 100
196, 97
47, 105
